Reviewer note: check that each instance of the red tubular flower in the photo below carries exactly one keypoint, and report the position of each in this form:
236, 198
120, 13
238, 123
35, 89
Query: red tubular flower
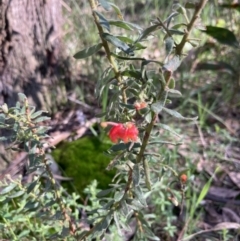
125, 132
116, 132
131, 132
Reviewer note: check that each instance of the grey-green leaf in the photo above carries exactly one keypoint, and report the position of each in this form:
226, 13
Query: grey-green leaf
139, 195
22, 96
178, 115
120, 24
157, 107
88, 51
17, 194
119, 195
168, 128
117, 9
136, 175
169, 42
146, 32
105, 5
41, 118
104, 192
103, 21
172, 64
8, 189
118, 43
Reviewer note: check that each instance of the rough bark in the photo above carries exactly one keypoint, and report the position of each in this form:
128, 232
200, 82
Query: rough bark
31, 59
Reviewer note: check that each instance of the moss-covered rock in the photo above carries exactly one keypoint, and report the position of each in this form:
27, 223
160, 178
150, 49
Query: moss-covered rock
84, 161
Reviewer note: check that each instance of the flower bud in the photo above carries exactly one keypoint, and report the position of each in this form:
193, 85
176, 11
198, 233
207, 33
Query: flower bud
183, 178
5, 108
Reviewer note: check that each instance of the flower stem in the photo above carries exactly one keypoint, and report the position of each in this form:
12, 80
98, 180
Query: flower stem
197, 12
149, 127
107, 50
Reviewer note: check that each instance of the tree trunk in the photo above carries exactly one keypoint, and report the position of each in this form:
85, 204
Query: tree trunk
31, 56
31, 59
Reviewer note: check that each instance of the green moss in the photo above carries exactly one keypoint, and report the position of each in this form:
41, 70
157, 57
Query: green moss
84, 161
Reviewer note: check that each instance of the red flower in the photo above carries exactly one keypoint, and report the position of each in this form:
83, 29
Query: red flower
119, 131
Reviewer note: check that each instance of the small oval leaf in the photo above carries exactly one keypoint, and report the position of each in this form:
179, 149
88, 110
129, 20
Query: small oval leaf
8, 188
178, 115
118, 43
88, 51
17, 194
222, 35
105, 5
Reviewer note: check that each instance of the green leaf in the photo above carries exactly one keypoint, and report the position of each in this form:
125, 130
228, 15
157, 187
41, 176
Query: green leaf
139, 195
158, 106
120, 24
8, 189
172, 64
148, 117
41, 119
32, 186
17, 194
22, 96
3, 138
103, 224
116, 220
176, 32
24, 233
119, 147
132, 73
106, 5
136, 175
235, 6
169, 18
191, 5
117, 10
103, 21
169, 42
172, 83
105, 192
126, 58
31, 206
65, 232
36, 114
216, 66
206, 188
124, 24
2, 118
118, 43
145, 33
88, 51
167, 128
128, 40
128, 106
176, 26
125, 146
124, 208
178, 115
119, 195
174, 92
222, 35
